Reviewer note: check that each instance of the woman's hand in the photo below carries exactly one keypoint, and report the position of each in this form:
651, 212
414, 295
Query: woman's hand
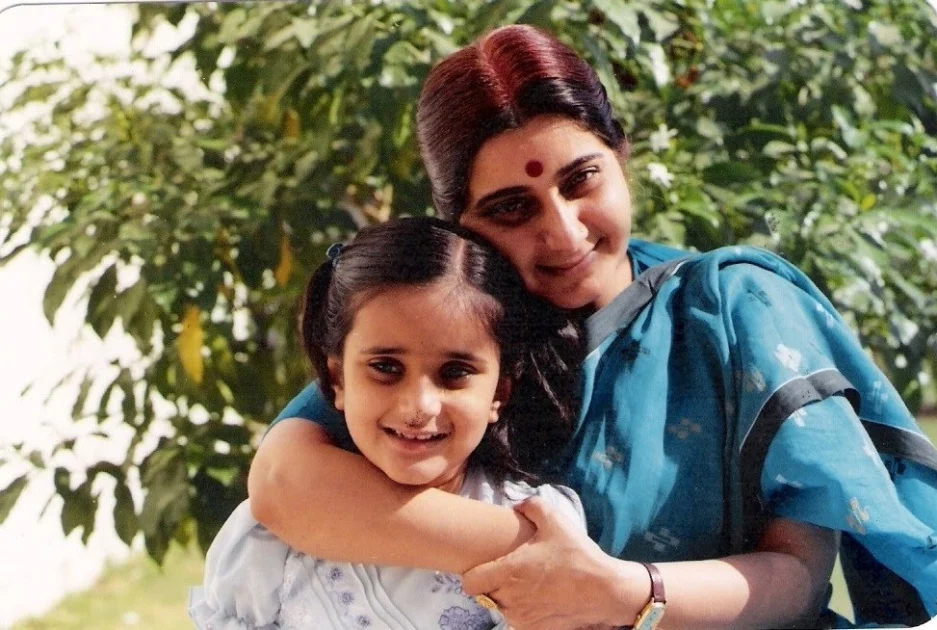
558, 580
561, 580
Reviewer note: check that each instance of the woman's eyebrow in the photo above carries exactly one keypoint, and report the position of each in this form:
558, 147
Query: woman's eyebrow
572, 166
515, 190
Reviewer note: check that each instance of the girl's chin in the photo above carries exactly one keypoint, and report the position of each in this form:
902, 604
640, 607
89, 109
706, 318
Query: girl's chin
426, 479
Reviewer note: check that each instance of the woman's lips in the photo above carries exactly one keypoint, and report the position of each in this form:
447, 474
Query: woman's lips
572, 266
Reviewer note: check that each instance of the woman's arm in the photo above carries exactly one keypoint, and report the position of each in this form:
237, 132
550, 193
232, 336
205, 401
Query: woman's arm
334, 504
561, 580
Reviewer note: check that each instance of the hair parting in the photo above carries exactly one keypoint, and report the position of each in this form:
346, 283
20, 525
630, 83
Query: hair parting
541, 346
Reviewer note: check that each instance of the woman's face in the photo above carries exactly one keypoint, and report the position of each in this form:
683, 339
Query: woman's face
554, 200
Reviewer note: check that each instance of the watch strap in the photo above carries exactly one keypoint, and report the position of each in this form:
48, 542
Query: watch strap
657, 584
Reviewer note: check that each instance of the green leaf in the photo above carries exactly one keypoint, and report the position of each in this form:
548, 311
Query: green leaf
78, 408
125, 516
62, 479
729, 173
622, 15
104, 289
10, 495
663, 24
79, 510
127, 303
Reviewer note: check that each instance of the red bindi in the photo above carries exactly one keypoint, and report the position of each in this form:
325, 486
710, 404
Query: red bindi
534, 168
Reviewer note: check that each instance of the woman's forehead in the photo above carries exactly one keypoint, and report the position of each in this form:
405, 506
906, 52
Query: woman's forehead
539, 148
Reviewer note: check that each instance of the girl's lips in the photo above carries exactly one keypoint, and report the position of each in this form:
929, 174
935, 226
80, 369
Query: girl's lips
414, 443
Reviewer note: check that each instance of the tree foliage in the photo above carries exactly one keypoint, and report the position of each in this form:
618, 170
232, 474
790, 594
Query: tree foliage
804, 127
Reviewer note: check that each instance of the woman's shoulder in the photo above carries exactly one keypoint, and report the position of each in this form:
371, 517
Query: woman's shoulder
646, 254
727, 270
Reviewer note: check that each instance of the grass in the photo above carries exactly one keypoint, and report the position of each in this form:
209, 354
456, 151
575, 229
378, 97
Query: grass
140, 596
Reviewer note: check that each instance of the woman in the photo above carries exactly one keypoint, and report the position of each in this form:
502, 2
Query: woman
521, 147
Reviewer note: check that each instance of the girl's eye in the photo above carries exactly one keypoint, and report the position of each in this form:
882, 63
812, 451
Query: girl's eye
455, 372
577, 179
386, 367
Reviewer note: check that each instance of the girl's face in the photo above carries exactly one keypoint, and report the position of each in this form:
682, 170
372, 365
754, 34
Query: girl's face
418, 382
554, 200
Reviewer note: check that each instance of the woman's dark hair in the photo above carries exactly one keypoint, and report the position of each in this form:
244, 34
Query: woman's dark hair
501, 82
541, 346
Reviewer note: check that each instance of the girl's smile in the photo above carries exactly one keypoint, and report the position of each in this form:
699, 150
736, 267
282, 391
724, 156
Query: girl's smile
418, 381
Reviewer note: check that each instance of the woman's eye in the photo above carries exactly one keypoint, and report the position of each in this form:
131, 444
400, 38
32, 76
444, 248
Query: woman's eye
577, 179
511, 211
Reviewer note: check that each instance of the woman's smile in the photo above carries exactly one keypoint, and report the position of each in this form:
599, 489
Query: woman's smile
573, 266
566, 231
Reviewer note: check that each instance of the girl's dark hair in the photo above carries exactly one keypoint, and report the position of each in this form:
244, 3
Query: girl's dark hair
500, 82
541, 346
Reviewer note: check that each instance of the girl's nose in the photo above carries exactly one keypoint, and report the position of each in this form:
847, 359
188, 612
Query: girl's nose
421, 403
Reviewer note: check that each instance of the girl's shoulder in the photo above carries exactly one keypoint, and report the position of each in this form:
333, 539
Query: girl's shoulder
480, 486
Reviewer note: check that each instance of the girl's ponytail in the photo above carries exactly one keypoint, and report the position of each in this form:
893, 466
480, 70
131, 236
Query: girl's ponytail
314, 324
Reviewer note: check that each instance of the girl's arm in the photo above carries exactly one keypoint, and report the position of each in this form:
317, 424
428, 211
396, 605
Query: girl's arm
334, 504
561, 580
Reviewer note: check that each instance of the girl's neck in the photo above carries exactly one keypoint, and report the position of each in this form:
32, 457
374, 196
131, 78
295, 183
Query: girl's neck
453, 484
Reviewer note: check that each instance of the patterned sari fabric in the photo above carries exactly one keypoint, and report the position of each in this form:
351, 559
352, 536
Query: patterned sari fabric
732, 396
728, 391
254, 581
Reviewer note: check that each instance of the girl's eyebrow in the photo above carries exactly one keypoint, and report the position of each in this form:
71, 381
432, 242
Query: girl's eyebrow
396, 351
516, 190
465, 356
383, 350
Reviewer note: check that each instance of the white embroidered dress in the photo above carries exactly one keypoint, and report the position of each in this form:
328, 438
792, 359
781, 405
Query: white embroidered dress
254, 581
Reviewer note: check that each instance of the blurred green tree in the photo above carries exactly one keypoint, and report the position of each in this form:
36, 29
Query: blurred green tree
804, 127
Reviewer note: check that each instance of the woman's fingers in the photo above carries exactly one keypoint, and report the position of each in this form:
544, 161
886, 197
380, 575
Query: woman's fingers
486, 578
551, 582
538, 512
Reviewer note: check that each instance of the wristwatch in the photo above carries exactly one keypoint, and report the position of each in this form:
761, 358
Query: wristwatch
653, 611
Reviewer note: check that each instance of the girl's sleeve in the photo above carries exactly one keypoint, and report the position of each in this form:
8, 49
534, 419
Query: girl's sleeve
243, 574
565, 501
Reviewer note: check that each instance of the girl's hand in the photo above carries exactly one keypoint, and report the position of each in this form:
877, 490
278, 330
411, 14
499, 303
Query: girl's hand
558, 580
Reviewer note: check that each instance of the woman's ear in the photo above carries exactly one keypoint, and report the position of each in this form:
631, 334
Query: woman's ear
338, 386
502, 393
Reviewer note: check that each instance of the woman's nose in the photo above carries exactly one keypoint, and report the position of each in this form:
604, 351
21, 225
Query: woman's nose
560, 227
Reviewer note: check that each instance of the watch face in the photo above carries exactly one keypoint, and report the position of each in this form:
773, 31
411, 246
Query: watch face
651, 617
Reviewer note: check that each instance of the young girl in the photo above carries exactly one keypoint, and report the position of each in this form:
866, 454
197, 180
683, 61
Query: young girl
449, 375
